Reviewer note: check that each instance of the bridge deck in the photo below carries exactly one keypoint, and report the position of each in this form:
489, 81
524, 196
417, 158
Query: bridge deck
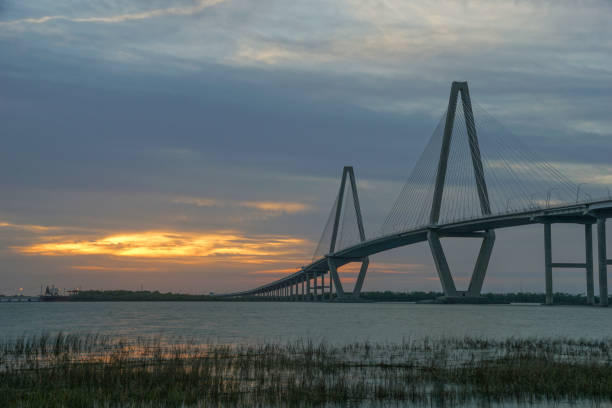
581, 213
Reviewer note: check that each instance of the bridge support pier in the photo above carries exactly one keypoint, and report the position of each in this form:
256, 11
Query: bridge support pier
587, 265
548, 264
588, 246
482, 263
322, 294
335, 278
362, 272
602, 261
322, 286
333, 272
480, 268
446, 279
302, 293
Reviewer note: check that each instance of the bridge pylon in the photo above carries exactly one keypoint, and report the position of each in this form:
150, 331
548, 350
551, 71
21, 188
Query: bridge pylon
433, 235
334, 261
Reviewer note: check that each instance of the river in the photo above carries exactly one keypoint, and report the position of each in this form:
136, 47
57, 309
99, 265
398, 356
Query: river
337, 323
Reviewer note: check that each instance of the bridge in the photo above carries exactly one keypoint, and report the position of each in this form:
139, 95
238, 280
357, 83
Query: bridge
473, 178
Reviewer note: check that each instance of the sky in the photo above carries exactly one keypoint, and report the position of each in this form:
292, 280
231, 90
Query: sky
197, 146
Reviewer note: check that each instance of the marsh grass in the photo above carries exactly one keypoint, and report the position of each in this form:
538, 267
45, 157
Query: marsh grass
96, 370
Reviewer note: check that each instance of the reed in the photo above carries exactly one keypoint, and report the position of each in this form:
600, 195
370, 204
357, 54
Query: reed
95, 370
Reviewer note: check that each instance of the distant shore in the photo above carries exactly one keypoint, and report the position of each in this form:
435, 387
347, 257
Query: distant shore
387, 296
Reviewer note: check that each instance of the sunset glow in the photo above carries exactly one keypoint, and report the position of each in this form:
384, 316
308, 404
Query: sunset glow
266, 206
277, 206
26, 227
166, 244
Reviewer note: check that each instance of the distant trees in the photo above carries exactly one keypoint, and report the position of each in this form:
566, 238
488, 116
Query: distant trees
386, 296
128, 295
520, 297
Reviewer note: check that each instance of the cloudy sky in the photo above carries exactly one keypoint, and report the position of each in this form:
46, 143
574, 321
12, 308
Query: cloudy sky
196, 145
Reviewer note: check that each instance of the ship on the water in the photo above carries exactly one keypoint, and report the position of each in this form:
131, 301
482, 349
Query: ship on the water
53, 294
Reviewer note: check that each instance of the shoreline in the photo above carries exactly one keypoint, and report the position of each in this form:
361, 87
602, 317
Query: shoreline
366, 297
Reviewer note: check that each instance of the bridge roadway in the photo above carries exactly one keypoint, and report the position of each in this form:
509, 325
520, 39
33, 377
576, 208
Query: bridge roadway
581, 213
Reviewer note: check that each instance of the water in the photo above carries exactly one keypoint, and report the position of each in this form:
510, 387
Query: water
250, 322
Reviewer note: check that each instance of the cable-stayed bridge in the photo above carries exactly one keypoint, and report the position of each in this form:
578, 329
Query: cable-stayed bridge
473, 177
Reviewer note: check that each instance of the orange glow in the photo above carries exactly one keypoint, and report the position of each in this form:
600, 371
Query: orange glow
266, 206
27, 227
397, 268
277, 206
164, 244
112, 268
283, 271
199, 202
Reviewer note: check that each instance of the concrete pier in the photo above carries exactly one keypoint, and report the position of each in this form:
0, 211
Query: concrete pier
588, 246
602, 261
548, 264
322, 286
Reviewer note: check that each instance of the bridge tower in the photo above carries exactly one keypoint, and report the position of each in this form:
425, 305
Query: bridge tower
334, 261
433, 235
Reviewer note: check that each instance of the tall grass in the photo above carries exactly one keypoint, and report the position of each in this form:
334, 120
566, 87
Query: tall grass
95, 370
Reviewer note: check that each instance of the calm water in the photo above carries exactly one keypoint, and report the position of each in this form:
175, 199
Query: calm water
243, 322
